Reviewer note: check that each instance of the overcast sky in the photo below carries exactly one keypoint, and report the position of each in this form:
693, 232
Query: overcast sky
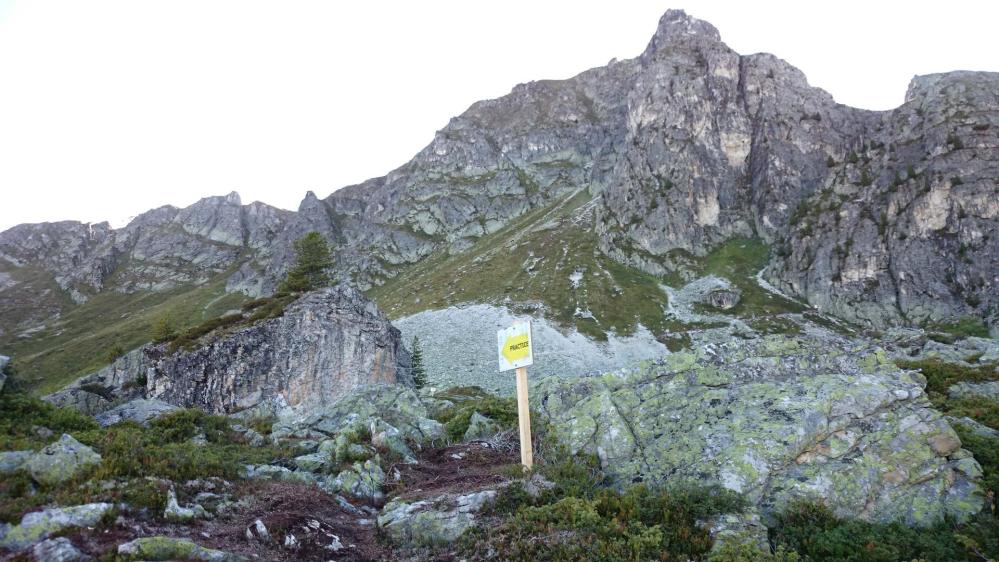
110, 108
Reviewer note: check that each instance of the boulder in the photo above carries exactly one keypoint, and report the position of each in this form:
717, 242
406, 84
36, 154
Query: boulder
363, 481
39, 525
776, 419
58, 550
326, 343
167, 548
313, 462
480, 427
174, 512
432, 522
61, 461
140, 410
723, 299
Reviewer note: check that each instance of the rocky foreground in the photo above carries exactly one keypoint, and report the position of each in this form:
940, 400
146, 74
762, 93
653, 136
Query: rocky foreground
740, 438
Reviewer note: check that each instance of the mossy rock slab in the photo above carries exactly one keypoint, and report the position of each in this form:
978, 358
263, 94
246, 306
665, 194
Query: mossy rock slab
776, 419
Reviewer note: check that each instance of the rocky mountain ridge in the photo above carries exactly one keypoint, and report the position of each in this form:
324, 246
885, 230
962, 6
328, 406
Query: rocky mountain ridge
880, 218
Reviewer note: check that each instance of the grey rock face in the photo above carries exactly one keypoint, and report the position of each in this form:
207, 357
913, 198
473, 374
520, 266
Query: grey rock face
326, 343
776, 420
61, 461
140, 410
898, 230
12, 461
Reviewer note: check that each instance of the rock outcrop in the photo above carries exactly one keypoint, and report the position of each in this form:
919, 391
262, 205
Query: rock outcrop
325, 344
776, 420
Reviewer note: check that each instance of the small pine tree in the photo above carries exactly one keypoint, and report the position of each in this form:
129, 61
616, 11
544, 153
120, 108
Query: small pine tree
164, 329
311, 269
419, 373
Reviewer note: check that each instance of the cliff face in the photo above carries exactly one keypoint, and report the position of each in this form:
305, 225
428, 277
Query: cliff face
325, 344
878, 217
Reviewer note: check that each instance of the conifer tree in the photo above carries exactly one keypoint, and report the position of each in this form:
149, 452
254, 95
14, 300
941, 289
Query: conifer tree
419, 373
311, 269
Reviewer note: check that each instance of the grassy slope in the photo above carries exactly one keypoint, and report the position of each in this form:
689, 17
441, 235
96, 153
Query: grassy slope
530, 261
79, 341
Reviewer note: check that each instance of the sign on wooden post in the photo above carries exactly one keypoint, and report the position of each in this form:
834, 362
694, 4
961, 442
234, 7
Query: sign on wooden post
516, 351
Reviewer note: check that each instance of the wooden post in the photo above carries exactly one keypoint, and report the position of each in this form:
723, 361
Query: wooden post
524, 412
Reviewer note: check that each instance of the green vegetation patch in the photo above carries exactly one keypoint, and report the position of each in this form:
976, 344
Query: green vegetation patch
949, 332
470, 399
816, 534
739, 260
578, 518
130, 454
79, 341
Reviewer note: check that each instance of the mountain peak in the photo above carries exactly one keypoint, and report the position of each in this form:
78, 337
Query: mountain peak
676, 25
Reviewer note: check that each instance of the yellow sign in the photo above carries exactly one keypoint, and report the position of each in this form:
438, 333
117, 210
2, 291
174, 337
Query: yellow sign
515, 349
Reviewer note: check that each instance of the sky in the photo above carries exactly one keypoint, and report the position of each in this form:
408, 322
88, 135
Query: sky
110, 108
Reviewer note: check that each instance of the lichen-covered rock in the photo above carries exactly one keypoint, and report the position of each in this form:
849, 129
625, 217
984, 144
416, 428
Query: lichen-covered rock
480, 427
39, 525
279, 473
61, 461
432, 522
989, 390
174, 512
327, 343
140, 410
313, 462
12, 461
776, 420
363, 481
396, 405
167, 548
58, 550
